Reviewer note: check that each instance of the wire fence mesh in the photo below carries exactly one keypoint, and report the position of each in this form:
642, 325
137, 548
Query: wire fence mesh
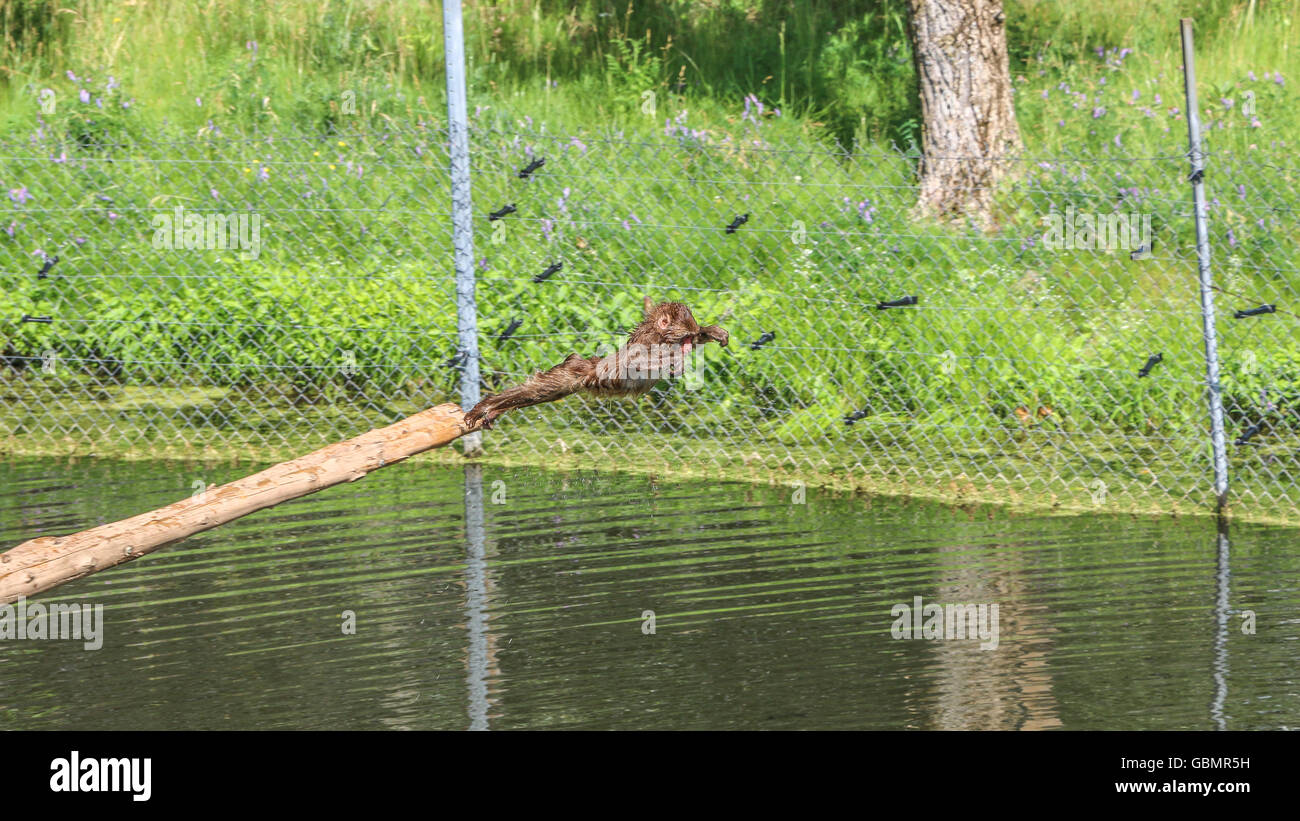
264, 292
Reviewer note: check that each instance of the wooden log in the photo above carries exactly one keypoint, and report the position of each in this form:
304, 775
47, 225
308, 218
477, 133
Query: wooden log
40, 564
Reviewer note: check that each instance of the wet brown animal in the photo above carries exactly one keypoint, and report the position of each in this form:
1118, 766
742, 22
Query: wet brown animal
656, 349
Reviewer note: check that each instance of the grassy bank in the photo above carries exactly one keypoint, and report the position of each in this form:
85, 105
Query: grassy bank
1017, 470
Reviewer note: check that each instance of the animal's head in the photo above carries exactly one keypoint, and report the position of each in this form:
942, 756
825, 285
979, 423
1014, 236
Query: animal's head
672, 323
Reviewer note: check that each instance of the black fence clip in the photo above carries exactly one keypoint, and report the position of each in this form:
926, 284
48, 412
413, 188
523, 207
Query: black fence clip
510, 329
736, 223
896, 303
1152, 361
50, 262
1247, 434
767, 337
855, 416
458, 361
544, 275
527, 170
44, 320
1197, 176
496, 215
1263, 309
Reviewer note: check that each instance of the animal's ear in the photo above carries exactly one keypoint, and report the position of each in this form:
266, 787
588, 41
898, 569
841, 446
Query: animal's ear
646, 305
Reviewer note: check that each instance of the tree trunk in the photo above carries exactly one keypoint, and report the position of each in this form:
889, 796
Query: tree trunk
962, 68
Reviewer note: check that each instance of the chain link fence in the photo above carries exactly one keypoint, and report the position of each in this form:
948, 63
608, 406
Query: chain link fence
266, 292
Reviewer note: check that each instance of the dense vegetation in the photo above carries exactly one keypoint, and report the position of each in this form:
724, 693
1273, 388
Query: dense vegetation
155, 104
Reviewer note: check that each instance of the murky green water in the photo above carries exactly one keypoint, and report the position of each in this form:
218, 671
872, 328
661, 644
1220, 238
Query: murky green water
767, 614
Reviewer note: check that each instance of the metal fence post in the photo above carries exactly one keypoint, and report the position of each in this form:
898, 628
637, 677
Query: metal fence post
1208, 327
462, 213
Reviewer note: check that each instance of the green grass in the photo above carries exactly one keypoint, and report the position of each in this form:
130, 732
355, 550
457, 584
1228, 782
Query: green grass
843, 69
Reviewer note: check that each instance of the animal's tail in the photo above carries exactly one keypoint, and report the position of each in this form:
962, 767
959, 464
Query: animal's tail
548, 386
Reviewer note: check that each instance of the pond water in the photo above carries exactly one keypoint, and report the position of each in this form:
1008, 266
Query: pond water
497, 598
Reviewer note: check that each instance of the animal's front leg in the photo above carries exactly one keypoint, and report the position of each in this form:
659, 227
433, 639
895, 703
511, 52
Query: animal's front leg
715, 333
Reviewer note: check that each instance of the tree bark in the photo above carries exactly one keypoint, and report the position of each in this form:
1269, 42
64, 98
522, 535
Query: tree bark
969, 124
40, 564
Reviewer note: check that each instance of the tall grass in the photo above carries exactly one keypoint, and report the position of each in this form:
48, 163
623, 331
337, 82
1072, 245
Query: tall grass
843, 68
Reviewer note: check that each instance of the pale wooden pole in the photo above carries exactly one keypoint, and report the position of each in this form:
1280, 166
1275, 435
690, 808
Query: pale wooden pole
40, 564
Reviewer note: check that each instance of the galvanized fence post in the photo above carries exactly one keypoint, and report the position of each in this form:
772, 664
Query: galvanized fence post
462, 213
1208, 328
